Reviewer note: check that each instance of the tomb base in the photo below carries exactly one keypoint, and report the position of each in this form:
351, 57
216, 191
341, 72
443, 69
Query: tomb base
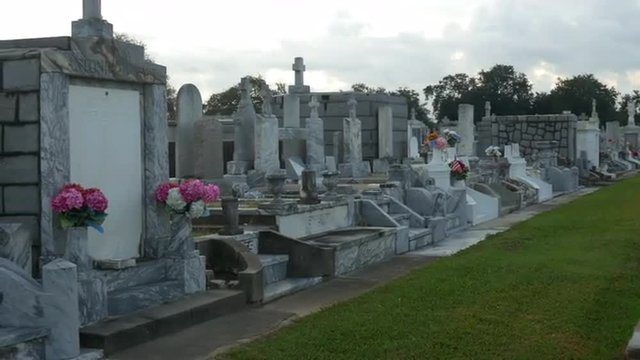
355, 170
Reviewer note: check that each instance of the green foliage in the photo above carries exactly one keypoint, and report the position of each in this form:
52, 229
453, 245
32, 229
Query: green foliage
508, 91
575, 94
563, 285
226, 102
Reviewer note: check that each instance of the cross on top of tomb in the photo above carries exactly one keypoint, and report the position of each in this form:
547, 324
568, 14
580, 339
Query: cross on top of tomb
352, 103
267, 96
413, 114
91, 9
299, 68
583, 117
314, 105
594, 112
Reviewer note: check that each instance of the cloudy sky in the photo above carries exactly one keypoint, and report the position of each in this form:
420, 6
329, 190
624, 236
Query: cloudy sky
382, 43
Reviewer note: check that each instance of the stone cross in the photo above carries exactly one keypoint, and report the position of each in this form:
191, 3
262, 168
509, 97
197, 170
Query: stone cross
245, 89
267, 96
91, 9
631, 110
352, 103
314, 105
299, 68
487, 108
583, 117
413, 114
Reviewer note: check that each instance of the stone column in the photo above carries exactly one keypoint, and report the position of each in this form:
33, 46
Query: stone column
55, 155
156, 169
466, 130
189, 111
60, 281
385, 132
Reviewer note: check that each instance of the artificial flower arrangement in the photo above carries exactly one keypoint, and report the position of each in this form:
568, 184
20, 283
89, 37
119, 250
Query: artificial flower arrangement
435, 141
452, 137
493, 151
459, 170
189, 198
80, 207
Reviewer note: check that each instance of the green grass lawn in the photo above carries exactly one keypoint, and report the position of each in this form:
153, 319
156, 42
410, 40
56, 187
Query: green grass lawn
563, 285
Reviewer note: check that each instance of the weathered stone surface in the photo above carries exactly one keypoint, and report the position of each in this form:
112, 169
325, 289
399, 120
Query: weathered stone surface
19, 169
22, 199
21, 138
21, 75
8, 104
189, 110
29, 107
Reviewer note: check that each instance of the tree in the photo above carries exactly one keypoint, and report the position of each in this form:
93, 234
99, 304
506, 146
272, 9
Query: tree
576, 94
363, 88
508, 91
449, 92
226, 102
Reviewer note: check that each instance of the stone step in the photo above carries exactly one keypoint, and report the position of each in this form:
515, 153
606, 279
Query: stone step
402, 219
115, 335
131, 299
274, 268
419, 238
22, 342
288, 286
143, 273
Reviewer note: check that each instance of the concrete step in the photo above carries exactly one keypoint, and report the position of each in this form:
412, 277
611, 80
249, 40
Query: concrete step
114, 335
143, 273
402, 219
288, 286
274, 268
419, 238
131, 299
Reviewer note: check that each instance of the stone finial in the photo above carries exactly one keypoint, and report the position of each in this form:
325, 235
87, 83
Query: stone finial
299, 68
245, 89
267, 96
487, 108
631, 110
352, 104
413, 114
91, 9
314, 105
594, 112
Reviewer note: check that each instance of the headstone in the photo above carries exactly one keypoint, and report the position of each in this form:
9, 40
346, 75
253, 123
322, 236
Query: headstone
315, 138
466, 130
352, 134
189, 111
209, 162
244, 123
385, 132
266, 131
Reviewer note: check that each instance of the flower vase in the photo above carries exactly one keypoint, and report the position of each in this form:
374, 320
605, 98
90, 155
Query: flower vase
459, 184
230, 206
181, 242
437, 156
77, 248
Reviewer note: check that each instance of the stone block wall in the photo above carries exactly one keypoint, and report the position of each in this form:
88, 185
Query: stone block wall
527, 129
20, 149
333, 109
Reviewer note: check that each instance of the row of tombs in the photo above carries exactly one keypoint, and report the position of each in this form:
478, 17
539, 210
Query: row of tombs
91, 289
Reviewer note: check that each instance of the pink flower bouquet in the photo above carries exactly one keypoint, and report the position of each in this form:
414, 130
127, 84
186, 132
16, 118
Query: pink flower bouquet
80, 207
190, 197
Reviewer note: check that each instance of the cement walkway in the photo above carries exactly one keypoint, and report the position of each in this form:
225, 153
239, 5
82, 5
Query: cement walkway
207, 339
